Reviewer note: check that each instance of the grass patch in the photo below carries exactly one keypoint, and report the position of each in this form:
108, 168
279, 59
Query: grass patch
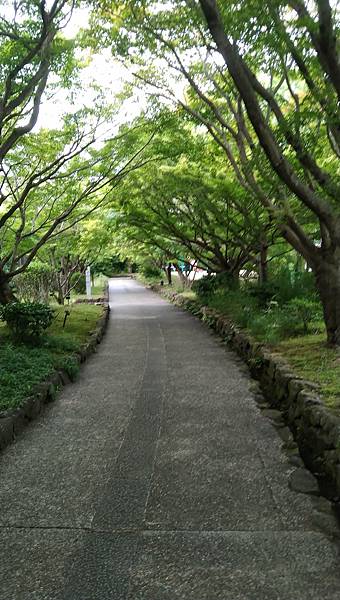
22, 367
188, 295
97, 290
79, 323
313, 360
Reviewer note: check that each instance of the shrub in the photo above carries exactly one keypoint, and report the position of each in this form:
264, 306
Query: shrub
277, 322
150, 271
264, 327
263, 293
34, 284
27, 320
303, 311
283, 287
293, 284
226, 281
273, 324
205, 286
210, 284
236, 303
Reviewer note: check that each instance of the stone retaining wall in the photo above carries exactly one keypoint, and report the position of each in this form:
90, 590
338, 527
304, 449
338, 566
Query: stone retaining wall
12, 422
315, 429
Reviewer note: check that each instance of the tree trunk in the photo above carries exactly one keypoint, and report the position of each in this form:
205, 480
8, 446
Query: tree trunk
327, 275
60, 293
168, 274
235, 279
60, 299
183, 279
263, 264
6, 292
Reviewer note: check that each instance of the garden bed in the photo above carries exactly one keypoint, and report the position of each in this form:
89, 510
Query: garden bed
31, 376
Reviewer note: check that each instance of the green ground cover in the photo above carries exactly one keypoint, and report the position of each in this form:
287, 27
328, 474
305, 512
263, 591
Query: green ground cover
22, 366
308, 354
313, 360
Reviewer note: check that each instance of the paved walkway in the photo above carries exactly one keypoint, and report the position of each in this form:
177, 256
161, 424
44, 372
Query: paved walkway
155, 477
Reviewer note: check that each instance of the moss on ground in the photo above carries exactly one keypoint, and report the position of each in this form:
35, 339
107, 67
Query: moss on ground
312, 359
22, 367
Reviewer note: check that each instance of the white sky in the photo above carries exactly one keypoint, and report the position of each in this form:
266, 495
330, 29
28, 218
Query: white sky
102, 71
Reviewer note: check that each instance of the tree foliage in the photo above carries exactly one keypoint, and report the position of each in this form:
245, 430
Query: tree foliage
264, 82
239, 142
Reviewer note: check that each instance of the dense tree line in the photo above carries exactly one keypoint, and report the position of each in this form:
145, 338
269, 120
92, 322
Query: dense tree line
263, 79
237, 149
51, 180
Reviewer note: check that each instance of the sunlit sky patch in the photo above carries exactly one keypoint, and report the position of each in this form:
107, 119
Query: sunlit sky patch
102, 72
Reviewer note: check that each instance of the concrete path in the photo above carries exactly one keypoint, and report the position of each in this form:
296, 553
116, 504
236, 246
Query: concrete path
155, 477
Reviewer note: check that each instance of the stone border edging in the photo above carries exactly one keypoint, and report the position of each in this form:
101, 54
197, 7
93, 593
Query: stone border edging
315, 429
13, 422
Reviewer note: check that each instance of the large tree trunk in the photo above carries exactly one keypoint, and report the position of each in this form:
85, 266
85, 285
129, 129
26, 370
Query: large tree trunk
327, 275
6, 292
235, 279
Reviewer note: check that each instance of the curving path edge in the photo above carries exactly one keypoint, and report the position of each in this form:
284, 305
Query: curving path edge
155, 477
